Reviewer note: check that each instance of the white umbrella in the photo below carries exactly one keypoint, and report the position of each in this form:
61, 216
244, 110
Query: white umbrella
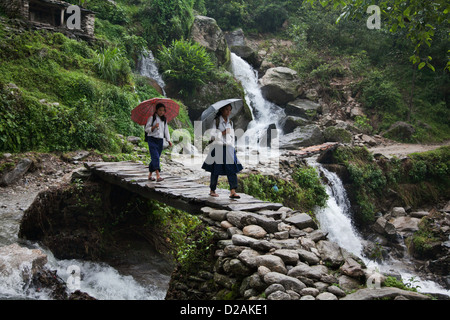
209, 114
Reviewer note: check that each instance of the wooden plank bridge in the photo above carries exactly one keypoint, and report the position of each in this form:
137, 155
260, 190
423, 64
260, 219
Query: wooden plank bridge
181, 192
178, 192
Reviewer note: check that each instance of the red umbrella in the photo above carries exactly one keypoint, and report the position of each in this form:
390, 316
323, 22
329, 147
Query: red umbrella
146, 109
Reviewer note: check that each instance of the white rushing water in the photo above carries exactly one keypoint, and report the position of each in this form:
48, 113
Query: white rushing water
264, 112
147, 67
336, 220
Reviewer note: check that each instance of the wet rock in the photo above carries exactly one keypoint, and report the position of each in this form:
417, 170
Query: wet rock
305, 136
28, 262
17, 173
326, 296
330, 252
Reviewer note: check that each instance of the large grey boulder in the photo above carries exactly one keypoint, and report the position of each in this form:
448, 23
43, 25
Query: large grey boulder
18, 172
304, 108
302, 221
280, 85
208, 34
305, 136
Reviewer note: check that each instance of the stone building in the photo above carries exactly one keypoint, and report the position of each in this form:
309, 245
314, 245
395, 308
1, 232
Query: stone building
48, 14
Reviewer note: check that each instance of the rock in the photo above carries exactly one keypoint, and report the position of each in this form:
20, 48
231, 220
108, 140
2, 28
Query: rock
400, 131
305, 136
248, 256
338, 292
326, 296
280, 85
248, 54
267, 223
419, 214
254, 231
289, 283
224, 281
308, 297
272, 288
27, 262
274, 263
218, 215
308, 256
235, 217
383, 226
368, 140
134, 140
236, 267
383, 293
310, 292
302, 221
241, 240
398, 212
302, 108
235, 38
207, 33
406, 224
303, 270
330, 252
352, 268
288, 256
290, 123
335, 134
279, 295
347, 283
15, 174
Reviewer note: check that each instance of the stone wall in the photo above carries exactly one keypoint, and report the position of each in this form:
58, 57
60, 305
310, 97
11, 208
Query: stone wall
276, 255
15, 8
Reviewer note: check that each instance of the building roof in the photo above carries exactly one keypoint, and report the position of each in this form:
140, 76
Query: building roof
62, 4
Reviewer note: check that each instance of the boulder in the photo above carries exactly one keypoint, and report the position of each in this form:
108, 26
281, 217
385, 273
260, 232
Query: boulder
235, 38
303, 108
208, 34
406, 224
352, 268
400, 131
330, 252
248, 54
254, 231
302, 221
274, 263
15, 174
384, 293
280, 85
290, 123
288, 282
305, 136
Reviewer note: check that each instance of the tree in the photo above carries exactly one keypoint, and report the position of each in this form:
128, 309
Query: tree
419, 18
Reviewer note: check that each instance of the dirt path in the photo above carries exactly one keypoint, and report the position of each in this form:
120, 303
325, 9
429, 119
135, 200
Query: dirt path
401, 150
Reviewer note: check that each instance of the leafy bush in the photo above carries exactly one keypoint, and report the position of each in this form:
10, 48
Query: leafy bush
185, 64
270, 17
112, 66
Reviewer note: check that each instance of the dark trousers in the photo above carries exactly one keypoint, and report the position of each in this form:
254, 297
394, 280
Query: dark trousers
232, 180
155, 146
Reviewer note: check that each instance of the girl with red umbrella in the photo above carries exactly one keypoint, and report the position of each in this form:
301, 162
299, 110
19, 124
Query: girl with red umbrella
154, 114
157, 129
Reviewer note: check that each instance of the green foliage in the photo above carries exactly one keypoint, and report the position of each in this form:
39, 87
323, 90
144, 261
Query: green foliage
112, 66
394, 282
270, 17
420, 180
163, 21
186, 64
304, 193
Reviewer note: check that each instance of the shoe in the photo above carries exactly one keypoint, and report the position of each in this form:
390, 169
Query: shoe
151, 179
235, 196
213, 194
159, 179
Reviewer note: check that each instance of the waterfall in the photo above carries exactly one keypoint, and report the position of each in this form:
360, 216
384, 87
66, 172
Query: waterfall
147, 67
264, 112
336, 219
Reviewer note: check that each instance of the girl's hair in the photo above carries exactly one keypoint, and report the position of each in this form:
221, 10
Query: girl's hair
219, 113
159, 106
